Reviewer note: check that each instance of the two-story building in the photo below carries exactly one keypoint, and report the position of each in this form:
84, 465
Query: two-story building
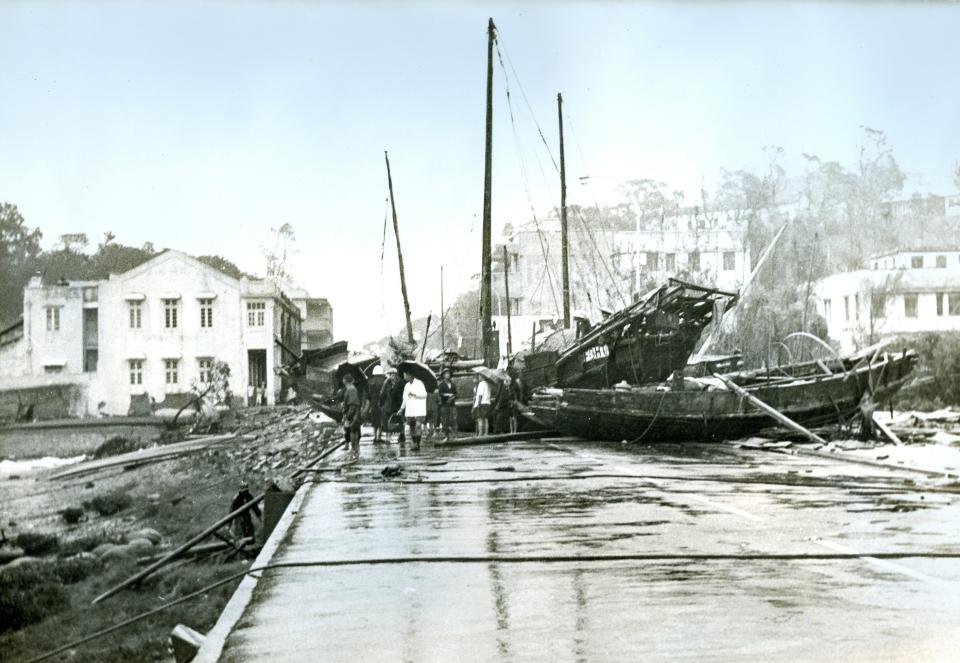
901, 292
154, 332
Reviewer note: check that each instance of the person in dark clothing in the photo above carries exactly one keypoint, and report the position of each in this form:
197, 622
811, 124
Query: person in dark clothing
448, 403
390, 400
503, 406
396, 395
351, 413
243, 524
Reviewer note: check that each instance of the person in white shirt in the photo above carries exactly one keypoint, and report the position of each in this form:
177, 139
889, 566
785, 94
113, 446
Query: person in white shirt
481, 406
414, 406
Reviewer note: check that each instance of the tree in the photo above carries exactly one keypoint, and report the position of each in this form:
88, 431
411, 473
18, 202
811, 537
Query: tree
280, 250
19, 245
225, 266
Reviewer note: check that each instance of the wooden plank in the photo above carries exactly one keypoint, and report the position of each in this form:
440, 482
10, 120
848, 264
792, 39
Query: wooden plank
889, 434
766, 409
493, 439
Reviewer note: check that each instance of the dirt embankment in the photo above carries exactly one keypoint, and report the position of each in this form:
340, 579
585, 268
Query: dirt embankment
85, 534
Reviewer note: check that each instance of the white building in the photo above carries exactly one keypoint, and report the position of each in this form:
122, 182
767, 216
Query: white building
901, 292
155, 330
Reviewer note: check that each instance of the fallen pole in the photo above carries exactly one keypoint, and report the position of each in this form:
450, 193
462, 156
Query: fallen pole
889, 434
493, 439
768, 410
180, 551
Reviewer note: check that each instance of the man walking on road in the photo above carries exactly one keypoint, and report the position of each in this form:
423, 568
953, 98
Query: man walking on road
351, 413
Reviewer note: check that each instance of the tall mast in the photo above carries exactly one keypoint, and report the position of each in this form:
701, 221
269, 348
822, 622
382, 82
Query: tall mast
506, 288
443, 317
486, 296
396, 233
563, 221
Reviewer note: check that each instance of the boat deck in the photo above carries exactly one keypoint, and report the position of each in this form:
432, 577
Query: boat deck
578, 551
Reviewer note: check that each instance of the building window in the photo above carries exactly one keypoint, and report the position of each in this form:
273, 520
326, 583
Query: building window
514, 306
856, 306
941, 261
653, 262
940, 297
671, 262
89, 295
910, 305
136, 311
729, 260
514, 262
53, 369
136, 371
827, 309
205, 367
53, 318
846, 308
693, 261
256, 314
916, 262
170, 309
878, 305
206, 313
171, 371
953, 303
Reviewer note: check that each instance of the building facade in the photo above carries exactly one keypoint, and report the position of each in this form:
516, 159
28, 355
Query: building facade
615, 259
154, 333
902, 292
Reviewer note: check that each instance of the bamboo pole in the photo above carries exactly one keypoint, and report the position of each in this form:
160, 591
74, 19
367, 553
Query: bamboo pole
426, 335
768, 410
396, 233
506, 288
564, 246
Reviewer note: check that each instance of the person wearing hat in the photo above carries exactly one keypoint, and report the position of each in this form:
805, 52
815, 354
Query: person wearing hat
243, 523
481, 406
448, 403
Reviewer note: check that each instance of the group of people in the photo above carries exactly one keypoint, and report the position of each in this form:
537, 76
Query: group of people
501, 406
406, 406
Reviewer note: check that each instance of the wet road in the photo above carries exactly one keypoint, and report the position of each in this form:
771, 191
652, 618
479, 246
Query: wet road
532, 502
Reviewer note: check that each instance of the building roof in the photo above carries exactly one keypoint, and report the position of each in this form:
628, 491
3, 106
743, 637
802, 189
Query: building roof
918, 249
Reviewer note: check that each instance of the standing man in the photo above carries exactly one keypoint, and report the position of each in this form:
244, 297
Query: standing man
502, 406
448, 403
481, 406
414, 406
351, 413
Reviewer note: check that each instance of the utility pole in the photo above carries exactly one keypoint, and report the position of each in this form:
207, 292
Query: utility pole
396, 232
506, 288
564, 246
486, 297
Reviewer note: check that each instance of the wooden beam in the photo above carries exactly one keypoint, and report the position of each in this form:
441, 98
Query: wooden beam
768, 410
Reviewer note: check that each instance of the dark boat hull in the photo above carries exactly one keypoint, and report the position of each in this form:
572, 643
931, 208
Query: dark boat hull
663, 414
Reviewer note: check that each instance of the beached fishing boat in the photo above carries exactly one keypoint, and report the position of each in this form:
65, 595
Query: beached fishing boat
642, 343
703, 409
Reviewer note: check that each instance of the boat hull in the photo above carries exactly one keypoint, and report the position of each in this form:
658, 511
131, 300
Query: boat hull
664, 414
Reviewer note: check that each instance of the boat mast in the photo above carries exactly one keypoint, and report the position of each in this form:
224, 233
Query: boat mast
443, 316
486, 296
563, 221
506, 288
396, 233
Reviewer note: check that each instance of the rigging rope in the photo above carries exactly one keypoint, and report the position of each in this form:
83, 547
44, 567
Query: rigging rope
523, 174
383, 249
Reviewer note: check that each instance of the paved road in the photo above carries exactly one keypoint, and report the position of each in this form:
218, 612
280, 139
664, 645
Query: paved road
539, 499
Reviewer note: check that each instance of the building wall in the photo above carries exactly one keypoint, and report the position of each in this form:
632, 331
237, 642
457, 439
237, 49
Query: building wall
168, 276
13, 351
608, 265
862, 307
53, 350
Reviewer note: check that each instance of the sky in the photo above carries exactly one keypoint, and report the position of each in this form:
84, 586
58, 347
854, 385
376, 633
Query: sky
201, 126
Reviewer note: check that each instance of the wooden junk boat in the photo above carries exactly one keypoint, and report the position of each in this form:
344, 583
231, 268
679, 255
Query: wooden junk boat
644, 342
703, 409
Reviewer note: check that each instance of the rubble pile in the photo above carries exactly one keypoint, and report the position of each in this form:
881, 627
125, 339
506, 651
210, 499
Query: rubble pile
277, 441
937, 427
